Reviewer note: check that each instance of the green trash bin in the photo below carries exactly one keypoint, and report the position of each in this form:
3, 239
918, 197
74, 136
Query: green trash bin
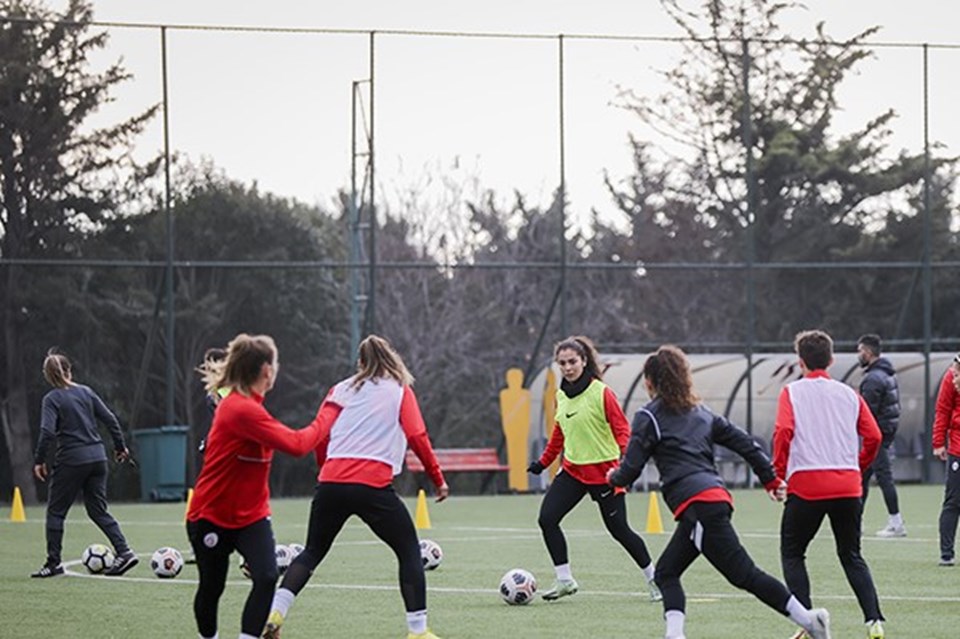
162, 457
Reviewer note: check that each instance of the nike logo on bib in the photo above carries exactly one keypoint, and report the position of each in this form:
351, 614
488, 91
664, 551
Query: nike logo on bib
569, 415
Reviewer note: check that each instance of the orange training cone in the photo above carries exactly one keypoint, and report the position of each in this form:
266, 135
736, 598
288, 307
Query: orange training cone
189, 499
17, 513
654, 523
422, 520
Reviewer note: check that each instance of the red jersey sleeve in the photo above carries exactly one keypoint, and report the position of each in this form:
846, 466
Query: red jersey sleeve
870, 434
946, 400
617, 420
783, 433
554, 446
327, 415
411, 421
261, 427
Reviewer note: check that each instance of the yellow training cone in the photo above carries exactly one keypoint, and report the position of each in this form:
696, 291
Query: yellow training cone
422, 520
654, 523
189, 499
17, 513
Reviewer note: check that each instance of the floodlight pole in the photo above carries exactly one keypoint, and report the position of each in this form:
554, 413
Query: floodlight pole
168, 213
751, 237
562, 195
927, 273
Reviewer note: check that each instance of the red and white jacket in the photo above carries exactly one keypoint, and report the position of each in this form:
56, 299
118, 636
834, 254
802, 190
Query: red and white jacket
825, 436
946, 423
366, 441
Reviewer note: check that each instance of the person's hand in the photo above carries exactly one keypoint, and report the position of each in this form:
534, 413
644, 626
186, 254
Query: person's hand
777, 489
40, 472
610, 476
121, 455
535, 467
940, 452
443, 492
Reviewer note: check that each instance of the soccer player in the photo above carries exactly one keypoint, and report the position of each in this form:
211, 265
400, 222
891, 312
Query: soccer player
946, 446
230, 509
69, 415
592, 432
376, 416
879, 389
824, 438
679, 432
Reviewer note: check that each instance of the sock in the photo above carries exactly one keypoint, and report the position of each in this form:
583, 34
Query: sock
244, 635
216, 636
282, 600
649, 572
896, 520
674, 620
563, 572
799, 614
417, 622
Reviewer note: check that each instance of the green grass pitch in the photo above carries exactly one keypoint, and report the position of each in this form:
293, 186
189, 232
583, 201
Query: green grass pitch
354, 592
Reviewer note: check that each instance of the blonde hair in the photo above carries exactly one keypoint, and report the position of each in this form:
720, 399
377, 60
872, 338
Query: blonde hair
57, 369
241, 366
378, 359
956, 372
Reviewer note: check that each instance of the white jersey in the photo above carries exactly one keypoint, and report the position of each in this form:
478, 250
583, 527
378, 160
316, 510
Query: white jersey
368, 427
825, 433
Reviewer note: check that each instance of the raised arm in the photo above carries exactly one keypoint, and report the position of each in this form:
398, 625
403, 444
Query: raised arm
644, 435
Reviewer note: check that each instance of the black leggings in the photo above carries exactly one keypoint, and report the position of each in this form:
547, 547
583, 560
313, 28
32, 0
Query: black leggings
705, 527
65, 483
566, 492
212, 546
388, 518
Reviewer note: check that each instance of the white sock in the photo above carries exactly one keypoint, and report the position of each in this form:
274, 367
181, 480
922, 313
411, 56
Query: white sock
799, 614
216, 636
417, 621
563, 572
244, 635
282, 600
649, 572
896, 520
674, 620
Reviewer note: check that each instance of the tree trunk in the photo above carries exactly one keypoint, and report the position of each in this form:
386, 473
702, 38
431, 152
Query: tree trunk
16, 421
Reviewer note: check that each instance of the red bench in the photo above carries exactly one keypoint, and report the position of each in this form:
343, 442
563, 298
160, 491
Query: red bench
463, 460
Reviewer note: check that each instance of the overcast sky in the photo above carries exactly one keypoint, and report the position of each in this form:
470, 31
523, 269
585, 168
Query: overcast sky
276, 108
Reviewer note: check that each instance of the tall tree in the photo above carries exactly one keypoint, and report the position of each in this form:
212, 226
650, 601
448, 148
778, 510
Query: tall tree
741, 84
52, 171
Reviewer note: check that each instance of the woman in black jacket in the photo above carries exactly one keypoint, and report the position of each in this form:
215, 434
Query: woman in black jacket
680, 433
68, 419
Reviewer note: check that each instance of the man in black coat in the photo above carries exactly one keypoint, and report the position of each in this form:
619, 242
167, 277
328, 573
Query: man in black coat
879, 389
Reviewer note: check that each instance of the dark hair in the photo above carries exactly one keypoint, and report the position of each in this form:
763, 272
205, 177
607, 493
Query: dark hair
583, 347
378, 359
668, 371
815, 348
871, 341
57, 369
240, 368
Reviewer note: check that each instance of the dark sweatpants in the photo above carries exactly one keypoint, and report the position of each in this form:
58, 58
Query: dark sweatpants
212, 546
387, 517
65, 483
883, 469
799, 525
950, 511
705, 527
566, 492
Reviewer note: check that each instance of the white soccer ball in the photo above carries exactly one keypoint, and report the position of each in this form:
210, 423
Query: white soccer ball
166, 562
431, 554
284, 557
518, 587
296, 548
97, 558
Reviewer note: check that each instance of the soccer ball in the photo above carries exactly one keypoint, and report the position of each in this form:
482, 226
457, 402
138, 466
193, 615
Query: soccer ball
284, 557
431, 554
97, 558
296, 549
166, 562
518, 587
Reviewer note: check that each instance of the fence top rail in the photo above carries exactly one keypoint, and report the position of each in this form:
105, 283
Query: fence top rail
477, 34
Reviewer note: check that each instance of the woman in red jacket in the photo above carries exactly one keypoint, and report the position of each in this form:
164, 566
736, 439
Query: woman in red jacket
230, 509
377, 416
946, 446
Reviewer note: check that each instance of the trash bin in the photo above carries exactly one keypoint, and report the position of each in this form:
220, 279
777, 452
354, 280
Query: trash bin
162, 459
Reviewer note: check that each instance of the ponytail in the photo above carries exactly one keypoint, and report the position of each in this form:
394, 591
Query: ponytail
57, 369
668, 371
